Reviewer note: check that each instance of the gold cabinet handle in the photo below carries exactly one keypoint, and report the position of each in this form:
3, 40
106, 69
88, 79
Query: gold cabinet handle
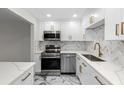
84, 64
122, 28
117, 28
80, 69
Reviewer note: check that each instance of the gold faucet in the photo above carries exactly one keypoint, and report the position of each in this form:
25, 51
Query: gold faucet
100, 54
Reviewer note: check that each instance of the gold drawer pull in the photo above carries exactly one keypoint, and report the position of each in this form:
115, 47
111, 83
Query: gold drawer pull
80, 69
117, 30
84, 64
122, 28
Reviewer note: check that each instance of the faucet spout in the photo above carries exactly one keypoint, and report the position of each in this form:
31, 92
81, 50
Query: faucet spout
100, 54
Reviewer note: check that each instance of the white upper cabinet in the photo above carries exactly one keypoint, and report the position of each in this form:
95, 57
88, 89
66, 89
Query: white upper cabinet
71, 31
51, 26
48, 26
113, 18
40, 34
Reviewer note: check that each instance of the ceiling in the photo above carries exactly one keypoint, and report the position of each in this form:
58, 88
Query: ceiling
8, 16
57, 13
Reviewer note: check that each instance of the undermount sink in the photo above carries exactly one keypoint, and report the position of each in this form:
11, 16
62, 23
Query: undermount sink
93, 58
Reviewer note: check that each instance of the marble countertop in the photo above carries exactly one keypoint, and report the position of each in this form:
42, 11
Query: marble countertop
77, 52
113, 73
10, 71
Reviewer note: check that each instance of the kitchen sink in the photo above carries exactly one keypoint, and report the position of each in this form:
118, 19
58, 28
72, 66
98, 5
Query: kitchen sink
93, 58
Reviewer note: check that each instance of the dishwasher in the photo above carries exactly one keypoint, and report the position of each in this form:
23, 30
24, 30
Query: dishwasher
68, 63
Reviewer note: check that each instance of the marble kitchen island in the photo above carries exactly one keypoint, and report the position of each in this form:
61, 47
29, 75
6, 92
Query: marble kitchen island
16, 73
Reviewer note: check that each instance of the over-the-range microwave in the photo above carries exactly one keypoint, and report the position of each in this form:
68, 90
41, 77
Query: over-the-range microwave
52, 35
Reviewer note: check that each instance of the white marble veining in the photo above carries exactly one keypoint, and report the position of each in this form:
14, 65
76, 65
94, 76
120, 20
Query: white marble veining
56, 80
76, 52
10, 71
112, 72
113, 51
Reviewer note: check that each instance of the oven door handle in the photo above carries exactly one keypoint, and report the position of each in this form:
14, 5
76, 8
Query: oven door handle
50, 57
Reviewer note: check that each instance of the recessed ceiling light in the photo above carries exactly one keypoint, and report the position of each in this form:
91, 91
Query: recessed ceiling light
74, 15
48, 15
95, 15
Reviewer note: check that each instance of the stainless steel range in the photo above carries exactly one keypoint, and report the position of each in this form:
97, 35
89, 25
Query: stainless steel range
50, 60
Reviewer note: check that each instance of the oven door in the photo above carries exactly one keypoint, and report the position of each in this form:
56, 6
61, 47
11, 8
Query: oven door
50, 63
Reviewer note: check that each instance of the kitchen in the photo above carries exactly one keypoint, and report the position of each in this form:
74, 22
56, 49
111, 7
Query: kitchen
68, 46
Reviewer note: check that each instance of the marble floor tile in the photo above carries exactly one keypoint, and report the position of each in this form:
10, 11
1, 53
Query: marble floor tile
56, 80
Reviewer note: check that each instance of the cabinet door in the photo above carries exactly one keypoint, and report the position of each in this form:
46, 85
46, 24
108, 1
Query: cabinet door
37, 59
97, 79
78, 65
57, 26
85, 76
81, 70
122, 24
48, 26
91, 77
112, 21
41, 30
52, 26
71, 31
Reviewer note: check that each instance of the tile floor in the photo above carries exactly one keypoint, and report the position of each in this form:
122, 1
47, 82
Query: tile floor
56, 80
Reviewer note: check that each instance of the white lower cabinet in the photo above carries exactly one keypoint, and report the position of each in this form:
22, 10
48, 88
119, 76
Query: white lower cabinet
87, 75
37, 59
99, 80
26, 79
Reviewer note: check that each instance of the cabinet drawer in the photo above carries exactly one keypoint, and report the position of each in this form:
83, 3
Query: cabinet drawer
98, 78
88, 75
25, 79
